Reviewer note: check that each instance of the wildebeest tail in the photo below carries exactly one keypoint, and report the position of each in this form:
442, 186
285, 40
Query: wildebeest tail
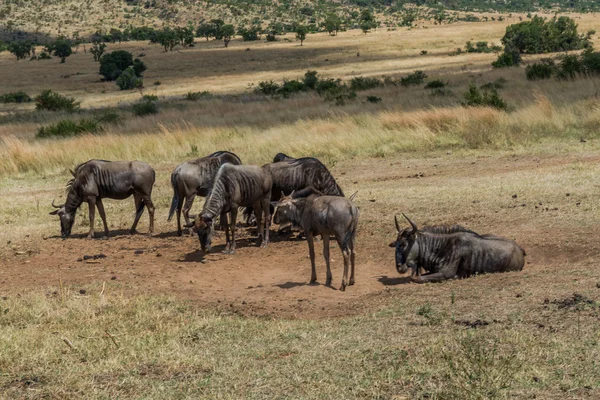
175, 200
351, 232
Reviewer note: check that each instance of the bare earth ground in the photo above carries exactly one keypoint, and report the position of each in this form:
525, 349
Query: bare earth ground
554, 217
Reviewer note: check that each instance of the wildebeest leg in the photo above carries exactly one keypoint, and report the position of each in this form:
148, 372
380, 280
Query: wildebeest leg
258, 212
150, 206
325, 238
92, 207
434, 277
102, 215
227, 237
233, 216
352, 259
267, 211
137, 200
189, 200
311, 251
346, 254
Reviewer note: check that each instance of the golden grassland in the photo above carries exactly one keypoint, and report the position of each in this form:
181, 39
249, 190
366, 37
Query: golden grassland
411, 341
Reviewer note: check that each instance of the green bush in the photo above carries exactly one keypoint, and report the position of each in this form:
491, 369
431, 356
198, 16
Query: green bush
340, 94
416, 78
52, 101
373, 99
362, 83
509, 58
481, 47
497, 84
128, 80
327, 85
112, 65
591, 61
67, 128
542, 70
145, 107
436, 84
15, 97
570, 67
290, 87
488, 98
195, 96
310, 79
268, 88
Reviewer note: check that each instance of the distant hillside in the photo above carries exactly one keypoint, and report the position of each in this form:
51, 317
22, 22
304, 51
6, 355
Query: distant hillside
38, 19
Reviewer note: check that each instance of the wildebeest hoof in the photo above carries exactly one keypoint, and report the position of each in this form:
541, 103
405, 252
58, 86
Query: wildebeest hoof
343, 287
133, 232
313, 281
90, 236
328, 282
351, 282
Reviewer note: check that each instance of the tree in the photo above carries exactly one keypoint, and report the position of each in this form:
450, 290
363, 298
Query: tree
62, 49
185, 35
113, 64
301, 32
228, 32
116, 35
205, 30
332, 24
129, 80
367, 20
217, 25
97, 50
167, 38
21, 50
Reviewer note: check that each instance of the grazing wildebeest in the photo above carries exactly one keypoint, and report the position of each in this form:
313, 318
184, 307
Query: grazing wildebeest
98, 179
235, 186
195, 178
291, 174
323, 215
448, 252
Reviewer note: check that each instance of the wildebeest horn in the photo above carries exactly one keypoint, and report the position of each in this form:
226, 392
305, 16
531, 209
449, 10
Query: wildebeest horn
414, 226
282, 194
397, 224
54, 205
72, 173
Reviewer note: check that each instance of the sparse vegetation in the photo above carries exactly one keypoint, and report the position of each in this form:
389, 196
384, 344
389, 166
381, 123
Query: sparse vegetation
416, 78
15, 97
489, 97
52, 101
145, 107
69, 128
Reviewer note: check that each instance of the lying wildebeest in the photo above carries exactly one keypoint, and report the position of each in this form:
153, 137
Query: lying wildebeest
291, 174
98, 179
235, 186
453, 252
195, 177
323, 215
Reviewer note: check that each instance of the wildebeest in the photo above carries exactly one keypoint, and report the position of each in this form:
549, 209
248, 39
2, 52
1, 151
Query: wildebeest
98, 179
291, 174
235, 186
323, 215
453, 252
195, 178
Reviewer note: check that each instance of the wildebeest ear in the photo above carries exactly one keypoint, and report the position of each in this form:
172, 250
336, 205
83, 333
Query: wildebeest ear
393, 244
55, 212
414, 226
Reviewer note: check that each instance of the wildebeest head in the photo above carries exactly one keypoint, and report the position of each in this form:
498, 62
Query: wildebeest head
285, 209
407, 248
66, 219
203, 226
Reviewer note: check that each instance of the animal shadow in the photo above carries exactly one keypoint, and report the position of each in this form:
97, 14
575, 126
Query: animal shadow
290, 285
195, 256
387, 281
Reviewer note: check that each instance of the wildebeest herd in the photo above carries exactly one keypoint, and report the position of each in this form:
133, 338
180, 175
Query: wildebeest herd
298, 191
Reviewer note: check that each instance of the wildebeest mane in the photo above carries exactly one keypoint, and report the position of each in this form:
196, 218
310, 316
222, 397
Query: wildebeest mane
300, 194
448, 229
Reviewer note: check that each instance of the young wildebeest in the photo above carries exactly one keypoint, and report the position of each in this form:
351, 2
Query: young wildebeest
453, 252
98, 179
235, 186
195, 177
323, 215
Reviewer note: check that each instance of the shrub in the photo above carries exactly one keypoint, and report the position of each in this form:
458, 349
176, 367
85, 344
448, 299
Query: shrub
21, 50
15, 97
67, 128
441, 92
416, 78
113, 64
436, 84
591, 61
497, 84
509, 58
128, 80
44, 56
373, 99
145, 107
489, 98
542, 70
362, 83
52, 101
109, 117
326, 85
423, 52
310, 79
340, 94
194, 96
267, 87
570, 66
290, 87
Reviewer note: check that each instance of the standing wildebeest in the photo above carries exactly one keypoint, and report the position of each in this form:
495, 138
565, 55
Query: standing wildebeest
453, 252
235, 186
323, 215
195, 177
291, 174
98, 179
